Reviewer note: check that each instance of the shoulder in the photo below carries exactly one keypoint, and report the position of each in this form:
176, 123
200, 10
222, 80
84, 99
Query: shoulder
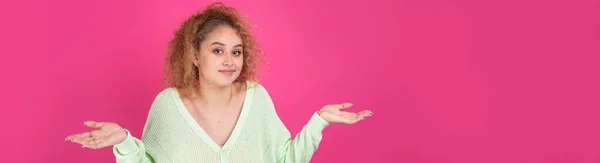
166, 96
164, 103
168, 92
258, 89
260, 95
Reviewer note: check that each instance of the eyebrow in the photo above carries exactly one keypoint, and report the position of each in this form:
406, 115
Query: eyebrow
218, 43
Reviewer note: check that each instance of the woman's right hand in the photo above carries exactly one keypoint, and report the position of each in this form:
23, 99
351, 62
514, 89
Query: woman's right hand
104, 134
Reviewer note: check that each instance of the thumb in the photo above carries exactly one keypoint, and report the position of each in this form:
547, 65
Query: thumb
344, 105
93, 124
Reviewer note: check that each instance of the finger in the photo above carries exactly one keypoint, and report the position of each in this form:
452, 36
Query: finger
87, 141
71, 137
349, 115
93, 124
352, 120
363, 114
343, 105
78, 136
82, 139
85, 135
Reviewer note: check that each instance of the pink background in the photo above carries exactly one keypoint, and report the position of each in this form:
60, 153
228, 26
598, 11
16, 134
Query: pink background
465, 81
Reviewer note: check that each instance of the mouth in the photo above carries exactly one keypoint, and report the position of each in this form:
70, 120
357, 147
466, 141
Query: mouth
227, 72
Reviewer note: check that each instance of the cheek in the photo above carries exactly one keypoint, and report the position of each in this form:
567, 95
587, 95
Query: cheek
207, 63
239, 61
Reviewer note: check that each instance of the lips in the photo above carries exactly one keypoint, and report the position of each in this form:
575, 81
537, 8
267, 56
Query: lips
227, 72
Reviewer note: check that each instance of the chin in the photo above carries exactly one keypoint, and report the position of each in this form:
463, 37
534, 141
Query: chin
223, 80
226, 82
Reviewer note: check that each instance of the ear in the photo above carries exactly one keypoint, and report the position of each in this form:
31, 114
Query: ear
195, 60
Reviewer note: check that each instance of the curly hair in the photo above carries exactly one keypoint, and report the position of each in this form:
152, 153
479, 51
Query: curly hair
180, 71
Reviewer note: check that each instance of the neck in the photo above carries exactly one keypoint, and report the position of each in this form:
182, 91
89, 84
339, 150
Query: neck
214, 96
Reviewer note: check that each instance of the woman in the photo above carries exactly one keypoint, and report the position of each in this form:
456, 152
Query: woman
213, 110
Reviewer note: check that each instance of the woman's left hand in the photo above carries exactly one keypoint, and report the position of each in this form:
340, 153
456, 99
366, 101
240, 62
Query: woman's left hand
334, 114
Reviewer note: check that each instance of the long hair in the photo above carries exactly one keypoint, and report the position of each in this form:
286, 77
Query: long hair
180, 71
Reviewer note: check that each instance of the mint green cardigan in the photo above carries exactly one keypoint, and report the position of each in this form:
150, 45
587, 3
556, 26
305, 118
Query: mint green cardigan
172, 135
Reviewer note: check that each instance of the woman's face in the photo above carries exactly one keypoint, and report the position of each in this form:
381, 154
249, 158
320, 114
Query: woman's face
221, 57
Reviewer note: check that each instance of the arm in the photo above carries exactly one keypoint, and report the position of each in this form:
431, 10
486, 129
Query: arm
126, 148
134, 150
301, 149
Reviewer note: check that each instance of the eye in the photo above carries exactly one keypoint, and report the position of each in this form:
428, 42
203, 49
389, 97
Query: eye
237, 53
218, 51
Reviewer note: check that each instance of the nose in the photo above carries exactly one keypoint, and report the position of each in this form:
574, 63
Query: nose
228, 61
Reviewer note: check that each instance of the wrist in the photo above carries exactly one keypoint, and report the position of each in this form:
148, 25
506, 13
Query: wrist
124, 134
317, 122
319, 113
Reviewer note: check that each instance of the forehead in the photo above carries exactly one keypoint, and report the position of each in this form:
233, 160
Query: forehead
223, 34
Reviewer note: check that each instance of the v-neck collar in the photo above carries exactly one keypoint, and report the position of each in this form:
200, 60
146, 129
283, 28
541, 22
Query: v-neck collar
203, 135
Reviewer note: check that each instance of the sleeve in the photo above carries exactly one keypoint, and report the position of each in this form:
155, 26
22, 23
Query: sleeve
303, 146
134, 150
301, 149
131, 150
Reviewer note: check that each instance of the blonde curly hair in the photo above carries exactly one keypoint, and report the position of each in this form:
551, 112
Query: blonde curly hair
180, 71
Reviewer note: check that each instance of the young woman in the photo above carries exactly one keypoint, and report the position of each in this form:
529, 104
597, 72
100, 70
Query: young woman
213, 109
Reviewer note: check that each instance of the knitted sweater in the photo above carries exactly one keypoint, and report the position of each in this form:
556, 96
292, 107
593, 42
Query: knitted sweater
172, 135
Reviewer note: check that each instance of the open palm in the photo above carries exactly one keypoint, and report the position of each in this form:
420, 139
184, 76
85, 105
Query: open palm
105, 134
334, 114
